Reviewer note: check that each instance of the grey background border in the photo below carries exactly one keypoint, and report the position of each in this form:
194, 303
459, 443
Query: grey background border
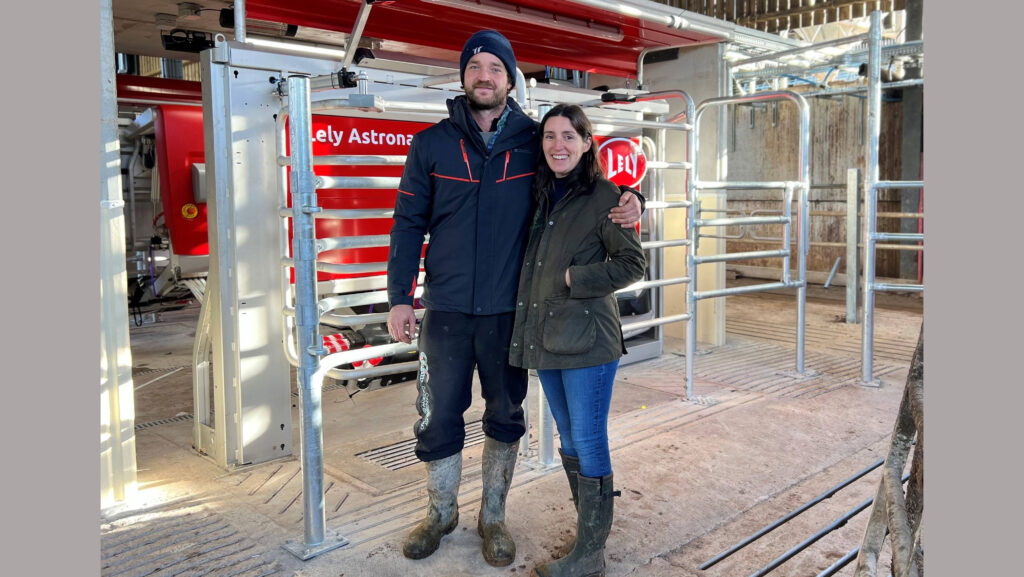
973, 146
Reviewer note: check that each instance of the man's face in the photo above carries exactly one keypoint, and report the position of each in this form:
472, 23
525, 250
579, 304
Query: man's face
486, 82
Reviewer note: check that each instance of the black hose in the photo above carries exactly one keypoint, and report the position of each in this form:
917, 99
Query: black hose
842, 562
814, 538
791, 515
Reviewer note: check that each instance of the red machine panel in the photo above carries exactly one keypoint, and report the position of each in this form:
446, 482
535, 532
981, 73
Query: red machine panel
337, 135
179, 144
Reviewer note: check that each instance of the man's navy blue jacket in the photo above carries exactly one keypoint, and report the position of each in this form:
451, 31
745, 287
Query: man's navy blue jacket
476, 208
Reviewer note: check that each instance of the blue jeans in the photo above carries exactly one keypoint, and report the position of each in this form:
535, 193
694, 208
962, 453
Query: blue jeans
579, 401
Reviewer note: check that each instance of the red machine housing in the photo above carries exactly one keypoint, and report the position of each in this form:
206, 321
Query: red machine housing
179, 144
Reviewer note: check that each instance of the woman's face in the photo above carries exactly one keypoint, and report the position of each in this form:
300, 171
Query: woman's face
562, 145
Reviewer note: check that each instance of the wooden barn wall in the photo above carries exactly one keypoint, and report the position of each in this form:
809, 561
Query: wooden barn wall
764, 151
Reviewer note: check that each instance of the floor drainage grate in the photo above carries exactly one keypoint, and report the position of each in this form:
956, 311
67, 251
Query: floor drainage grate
151, 424
403, 453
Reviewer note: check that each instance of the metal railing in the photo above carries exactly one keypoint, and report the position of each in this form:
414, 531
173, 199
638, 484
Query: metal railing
872, 185
316, 303
799, 187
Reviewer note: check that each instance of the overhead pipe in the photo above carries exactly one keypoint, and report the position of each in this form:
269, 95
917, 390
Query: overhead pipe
801, 49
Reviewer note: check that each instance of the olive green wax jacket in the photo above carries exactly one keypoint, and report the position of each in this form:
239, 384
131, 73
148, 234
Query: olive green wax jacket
558, 327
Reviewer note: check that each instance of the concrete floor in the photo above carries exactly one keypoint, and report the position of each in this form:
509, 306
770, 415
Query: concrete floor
756, 442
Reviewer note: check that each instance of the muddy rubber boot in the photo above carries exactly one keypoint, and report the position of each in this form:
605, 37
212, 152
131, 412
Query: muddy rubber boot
443, 476
499, 462
593, 523
571, 465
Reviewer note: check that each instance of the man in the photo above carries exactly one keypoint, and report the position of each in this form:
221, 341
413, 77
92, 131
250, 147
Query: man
467, 183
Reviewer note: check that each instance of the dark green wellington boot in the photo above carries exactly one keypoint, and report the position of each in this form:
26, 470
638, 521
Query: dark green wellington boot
593, 524
443, 476
499, 462
571, 465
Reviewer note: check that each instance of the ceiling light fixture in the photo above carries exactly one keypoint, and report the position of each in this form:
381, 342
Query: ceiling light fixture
297, 47
536, 17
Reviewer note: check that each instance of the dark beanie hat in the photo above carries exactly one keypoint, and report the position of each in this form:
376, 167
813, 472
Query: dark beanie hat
489, 41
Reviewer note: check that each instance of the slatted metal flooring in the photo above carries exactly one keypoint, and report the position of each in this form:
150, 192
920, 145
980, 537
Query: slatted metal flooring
176, 540
275, 489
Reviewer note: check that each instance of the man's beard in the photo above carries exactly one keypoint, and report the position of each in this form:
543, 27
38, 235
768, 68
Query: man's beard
497, 100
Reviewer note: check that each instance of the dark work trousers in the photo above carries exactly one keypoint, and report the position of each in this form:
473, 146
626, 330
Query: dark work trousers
450, 346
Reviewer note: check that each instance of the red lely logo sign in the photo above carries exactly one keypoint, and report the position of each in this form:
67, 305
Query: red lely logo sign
624, 161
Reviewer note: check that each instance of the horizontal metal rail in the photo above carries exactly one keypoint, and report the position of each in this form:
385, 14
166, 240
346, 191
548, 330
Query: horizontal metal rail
681, 126
898, 236
653, 284
722, 185
858, 89
896, 287
664, 243
742, 220
740, 290
899, 184
668, 165
349, 242
656, 322
731, 256
345, 321
349, 160
652, 204
344, 182
816, 243
352, 268
351, 300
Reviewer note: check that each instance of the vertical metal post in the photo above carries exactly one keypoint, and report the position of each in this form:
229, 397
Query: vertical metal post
787, 233
870, 194
801, 259
304, 204
240, 20
117, 402
804, 244
852, 238
656, 231
545, 421
691, 249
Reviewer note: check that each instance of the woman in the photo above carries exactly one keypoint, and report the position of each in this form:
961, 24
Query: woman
567, 319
